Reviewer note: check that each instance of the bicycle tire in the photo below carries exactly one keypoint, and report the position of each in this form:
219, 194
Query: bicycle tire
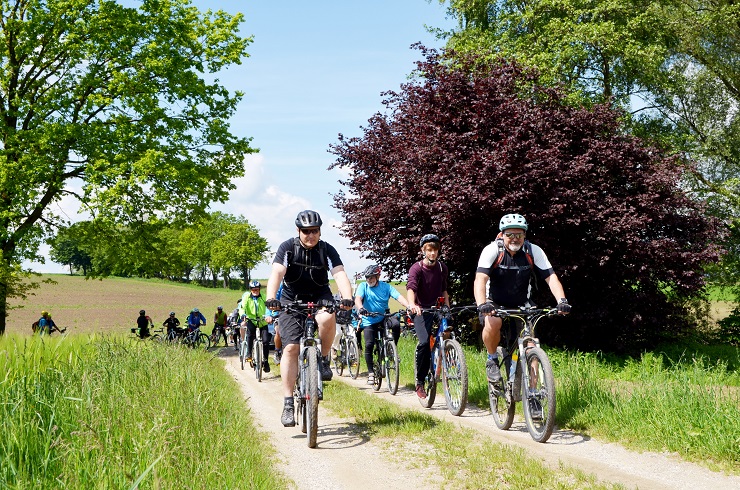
242, 352
205, 342
156, 338
502, 405
312, 395
430, 385
392, 366
353, 358
300, 402
379, 368
454, 377
544, 392
257, 359
339, 357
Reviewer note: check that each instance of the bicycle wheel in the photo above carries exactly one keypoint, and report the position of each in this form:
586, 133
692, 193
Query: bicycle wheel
353, 357
242, 352
430, 384
454, 377
312, 395
499, 394
539, 396
379, 368
257, 359
392, 368
300, 402
201, 341
339, 357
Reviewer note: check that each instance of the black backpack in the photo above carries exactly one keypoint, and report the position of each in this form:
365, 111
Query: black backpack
321, 247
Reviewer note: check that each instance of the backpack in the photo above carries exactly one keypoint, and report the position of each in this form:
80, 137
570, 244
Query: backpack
297, 250
526, 248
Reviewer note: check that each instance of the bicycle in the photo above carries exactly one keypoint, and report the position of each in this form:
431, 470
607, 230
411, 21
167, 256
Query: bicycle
348, 354
218, 332
309, 388
156, 335
195, 338
386, 355
531, 379
257, 351
447, 363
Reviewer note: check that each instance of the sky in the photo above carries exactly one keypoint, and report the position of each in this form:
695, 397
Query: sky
315, 70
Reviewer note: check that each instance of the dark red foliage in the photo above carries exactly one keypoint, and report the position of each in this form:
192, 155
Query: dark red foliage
459, 148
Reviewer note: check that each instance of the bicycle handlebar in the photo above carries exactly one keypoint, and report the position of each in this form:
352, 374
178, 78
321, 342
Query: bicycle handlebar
527, 311
310, 307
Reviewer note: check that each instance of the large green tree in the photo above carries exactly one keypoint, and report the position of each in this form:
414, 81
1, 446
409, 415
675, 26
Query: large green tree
463, 145
121, 107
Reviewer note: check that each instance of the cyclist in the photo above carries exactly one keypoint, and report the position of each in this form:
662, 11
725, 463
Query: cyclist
304, 263
234, 320
372, 296
251, 310
427, 281
276, 326
195, 319
219, 323
144, 322
507, 269
173, 326
46, 325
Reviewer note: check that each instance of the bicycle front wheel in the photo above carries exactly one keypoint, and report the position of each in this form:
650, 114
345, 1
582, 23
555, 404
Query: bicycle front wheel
312, 395
454, 377
500, 396
339, 357
430, 383
392, 368
539, 397
257, 356
202, 342
379, 368
353, 357
242, 352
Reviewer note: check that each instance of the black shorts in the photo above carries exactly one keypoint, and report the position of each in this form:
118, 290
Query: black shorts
291, 324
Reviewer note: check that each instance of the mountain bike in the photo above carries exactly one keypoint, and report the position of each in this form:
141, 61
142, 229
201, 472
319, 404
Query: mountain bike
386, 363
447, 363
196, 339
257, 349
348, 354
309, 388
526, 375
218, 332
155, 335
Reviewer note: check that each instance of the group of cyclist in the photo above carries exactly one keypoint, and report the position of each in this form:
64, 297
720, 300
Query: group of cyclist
506, 269
195, 319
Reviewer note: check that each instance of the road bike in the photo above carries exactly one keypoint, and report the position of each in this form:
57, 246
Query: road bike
447, 362
386, 363
309, 388
348, 354
526, 375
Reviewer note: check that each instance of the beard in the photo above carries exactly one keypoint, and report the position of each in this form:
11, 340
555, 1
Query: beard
514, 248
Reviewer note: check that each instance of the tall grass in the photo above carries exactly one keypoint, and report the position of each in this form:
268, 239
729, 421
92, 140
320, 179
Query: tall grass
669, 400
105, 412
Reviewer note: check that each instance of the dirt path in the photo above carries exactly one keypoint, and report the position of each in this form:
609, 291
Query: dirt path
347, 457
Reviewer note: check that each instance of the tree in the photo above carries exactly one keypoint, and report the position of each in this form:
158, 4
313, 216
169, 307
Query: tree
119, 102
240, 248
68, 247
468, 142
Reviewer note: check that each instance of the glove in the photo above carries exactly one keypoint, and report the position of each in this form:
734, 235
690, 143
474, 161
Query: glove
363, 311
273, 304
563, 306
486, 308
347, 303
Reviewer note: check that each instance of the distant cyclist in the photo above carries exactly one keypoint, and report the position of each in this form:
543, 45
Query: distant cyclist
45, 325
253, 310
219, 324
234, 321
195, 319
372, 297
144, 322
173, 326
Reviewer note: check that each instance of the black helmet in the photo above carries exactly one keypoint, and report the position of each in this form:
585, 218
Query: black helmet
372, 270
142, 312
308, 219
429, 238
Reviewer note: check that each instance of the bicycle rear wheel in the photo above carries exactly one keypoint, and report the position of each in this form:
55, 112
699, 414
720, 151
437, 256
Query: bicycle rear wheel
353, 357
499, 395
430, 384
454, 377
257, 357
379, 368
392, 362
539, 396
340, 357
312, 395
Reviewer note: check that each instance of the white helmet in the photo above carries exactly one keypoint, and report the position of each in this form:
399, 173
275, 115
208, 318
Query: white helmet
513, 221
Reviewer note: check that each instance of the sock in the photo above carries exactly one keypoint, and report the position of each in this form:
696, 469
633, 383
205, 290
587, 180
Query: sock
288, 400
492, 356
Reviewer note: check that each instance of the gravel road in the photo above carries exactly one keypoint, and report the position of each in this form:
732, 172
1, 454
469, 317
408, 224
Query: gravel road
344, 459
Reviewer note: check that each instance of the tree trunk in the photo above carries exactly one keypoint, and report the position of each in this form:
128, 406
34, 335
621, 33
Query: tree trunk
3, 304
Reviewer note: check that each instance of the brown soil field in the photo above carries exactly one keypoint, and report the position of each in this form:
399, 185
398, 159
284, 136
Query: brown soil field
112, 304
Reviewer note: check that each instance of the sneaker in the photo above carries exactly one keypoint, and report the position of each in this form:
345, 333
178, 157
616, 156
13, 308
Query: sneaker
492, 371
278, 356
266, 366
371, 379
420, 391
535, 409
288, 417
325, 368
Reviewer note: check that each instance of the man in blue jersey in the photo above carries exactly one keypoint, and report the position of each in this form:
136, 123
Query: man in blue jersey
372, 297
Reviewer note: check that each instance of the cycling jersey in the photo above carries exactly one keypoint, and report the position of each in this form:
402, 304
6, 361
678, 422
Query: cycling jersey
509, 282
307, 275
375, 299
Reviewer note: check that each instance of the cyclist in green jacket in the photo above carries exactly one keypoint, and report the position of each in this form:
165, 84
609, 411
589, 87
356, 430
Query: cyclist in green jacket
252, 310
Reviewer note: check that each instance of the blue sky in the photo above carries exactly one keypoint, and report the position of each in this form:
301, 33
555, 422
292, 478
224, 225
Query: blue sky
316, 69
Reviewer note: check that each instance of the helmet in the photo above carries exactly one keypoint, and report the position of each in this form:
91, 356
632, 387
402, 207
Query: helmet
429, 238
196, 310
513, 221
172, 313
308, 219
220, 308
44, 313
372, 270
142, 312
254, 284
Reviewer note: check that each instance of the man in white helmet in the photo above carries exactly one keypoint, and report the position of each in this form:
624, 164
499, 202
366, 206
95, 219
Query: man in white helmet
503, 279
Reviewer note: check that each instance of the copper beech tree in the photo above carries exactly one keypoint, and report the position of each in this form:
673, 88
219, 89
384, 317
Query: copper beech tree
461, 145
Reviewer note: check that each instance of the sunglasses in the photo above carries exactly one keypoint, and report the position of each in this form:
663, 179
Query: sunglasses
518, 236
311, 231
